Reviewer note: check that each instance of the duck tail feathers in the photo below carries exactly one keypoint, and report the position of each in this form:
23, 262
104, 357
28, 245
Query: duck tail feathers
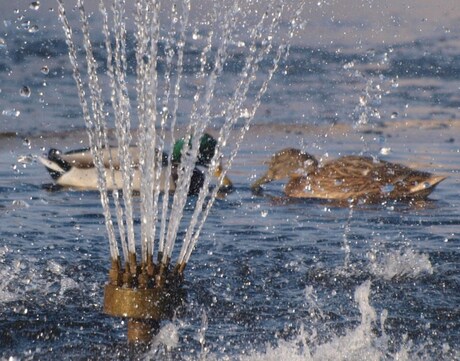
54, 163
423, 189
433, 181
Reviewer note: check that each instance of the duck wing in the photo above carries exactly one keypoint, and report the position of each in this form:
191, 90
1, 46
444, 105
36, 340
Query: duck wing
386, 180
356, 177
341, 179
82, 158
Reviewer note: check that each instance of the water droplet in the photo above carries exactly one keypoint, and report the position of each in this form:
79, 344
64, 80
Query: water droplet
385, 151
362, 119
25, 159
376, 113
349, 65
34, 5
264, 213
372, 256
2, 43
45, 70
394, 115
197, 35
245, 113
11, 112
25, 25
33, 29
25, 91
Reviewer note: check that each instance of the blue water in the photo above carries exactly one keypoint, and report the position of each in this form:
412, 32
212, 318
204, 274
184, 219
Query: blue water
271, 278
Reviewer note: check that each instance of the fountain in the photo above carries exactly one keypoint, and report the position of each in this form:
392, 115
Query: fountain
271, 278
144, 283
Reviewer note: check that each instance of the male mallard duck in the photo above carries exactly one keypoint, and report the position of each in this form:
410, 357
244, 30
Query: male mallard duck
347, 178
76, 168
205, 154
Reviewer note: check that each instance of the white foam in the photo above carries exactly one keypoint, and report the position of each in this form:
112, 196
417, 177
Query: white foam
67, 284
7, 275
405, 263
166, 340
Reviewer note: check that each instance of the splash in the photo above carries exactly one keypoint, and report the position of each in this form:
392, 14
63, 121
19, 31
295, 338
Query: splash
367, 341
400, 264
31, 278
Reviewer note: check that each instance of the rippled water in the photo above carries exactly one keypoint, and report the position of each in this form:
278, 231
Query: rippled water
271, 278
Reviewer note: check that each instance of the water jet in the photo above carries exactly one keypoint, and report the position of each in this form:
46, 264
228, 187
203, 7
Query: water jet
139, 289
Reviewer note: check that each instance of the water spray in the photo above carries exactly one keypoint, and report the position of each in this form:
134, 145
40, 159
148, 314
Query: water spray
146, 288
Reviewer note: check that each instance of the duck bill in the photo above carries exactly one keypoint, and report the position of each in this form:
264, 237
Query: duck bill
256, 186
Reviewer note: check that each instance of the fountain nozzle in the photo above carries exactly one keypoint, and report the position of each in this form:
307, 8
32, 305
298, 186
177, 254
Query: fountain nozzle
142, 300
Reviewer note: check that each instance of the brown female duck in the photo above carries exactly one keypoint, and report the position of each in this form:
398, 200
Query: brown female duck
347, 178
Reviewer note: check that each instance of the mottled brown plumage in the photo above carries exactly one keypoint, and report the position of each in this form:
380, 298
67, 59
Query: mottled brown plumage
347, 178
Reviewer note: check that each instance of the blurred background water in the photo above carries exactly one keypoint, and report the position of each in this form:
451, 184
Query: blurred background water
271, 278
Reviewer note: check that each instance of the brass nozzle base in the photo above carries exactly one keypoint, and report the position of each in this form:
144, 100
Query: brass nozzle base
133, 302
143, 307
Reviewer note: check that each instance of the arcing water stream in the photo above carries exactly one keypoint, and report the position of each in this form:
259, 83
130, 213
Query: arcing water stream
130, 290
151, 115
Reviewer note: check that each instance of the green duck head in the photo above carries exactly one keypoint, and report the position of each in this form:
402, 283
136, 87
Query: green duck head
205, 152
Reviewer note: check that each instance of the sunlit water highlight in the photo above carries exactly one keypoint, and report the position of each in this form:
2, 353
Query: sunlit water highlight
271, 279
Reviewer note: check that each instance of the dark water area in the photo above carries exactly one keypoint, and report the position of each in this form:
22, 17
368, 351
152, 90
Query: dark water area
271, 278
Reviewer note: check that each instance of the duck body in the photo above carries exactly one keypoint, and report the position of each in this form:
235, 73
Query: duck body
76, 169
348, 178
